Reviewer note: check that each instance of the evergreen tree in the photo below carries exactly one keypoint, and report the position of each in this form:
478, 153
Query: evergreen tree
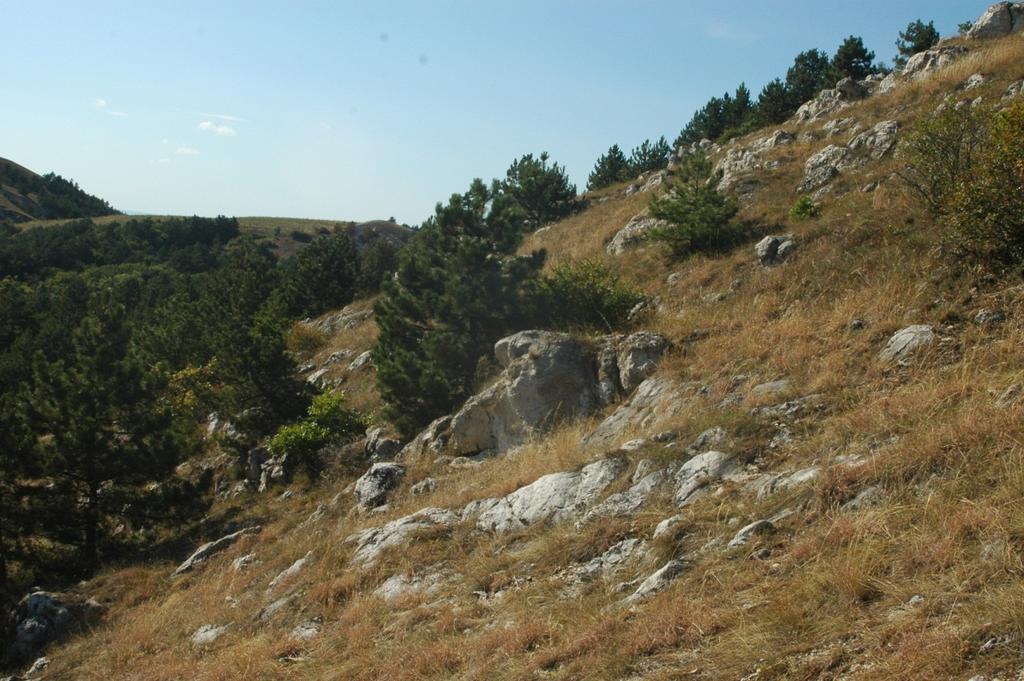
103, 427
809, 74
852, 59
649, 156
775, 103
322, 276
542, 192
17, 464
917, 37
456, 291
610, 168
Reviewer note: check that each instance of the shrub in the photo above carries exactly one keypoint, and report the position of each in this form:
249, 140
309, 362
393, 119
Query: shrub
804, 209
985, 210
584, 295
698, 217
305, 340
327, 422
939, 150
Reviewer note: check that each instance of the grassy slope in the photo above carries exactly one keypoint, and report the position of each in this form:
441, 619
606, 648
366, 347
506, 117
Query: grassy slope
830, 601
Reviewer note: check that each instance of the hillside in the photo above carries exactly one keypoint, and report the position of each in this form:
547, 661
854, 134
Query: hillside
25, 195
802, 460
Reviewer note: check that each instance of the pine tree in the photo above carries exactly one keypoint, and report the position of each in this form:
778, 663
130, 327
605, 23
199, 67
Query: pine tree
542, 192
457, 290
322, 276
17, 464
775, 103
852, 59
103, 427
809, 74
649, 156
917, 37
610, 168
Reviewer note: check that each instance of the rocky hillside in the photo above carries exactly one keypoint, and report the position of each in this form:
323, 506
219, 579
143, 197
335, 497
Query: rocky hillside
803, 462
25, 195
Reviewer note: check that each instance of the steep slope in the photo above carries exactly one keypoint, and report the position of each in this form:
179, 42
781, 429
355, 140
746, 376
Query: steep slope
25, 195
821, 478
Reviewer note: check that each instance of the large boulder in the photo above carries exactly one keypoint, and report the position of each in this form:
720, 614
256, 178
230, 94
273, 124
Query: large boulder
208, 549
822, 167
554, 498
931, 60
654, 403
634, 233
906, 342
370, 543
41, 618
638, 356
379, 447
875, 143
831, 100
1002, 18
774, 250
373, 487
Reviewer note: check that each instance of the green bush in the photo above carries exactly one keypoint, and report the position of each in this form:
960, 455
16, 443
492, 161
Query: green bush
327, 422
699, 218
584, 295
804, 209
985, 209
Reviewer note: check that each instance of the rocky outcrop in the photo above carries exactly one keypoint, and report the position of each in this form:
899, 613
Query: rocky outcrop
370, 543
379, 447
694, 477
634, 233
290, 571
906, 342
749, 532
348, 317
553, 498
207, 634
657, 581
209, 549
654, 402
831, 100
871, 145
405, 585
630, 501
1002, 18
774, 250
372, 488
41, 618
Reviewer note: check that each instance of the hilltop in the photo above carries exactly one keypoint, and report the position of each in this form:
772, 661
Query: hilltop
25, 195
799, 456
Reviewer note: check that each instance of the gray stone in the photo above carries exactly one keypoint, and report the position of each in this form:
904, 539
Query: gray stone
634, 233
750, 531
210, 548
866, 498
208, 633
430, 442
667, 526
553, 381
1000, 19
242, 562
1010, 396
268, 612
906, 342
770, 388
306, 631
373, 487
773, 484
553, 498
630, 501
712, 437
370, 543
931, 60
290, 571
638, 357
694, 476
365, 359
43, 617
973, 81
872, 144
425, 486
379, 447
658, 581
653, 403
822, 167
608, 562
403, 585
38, 667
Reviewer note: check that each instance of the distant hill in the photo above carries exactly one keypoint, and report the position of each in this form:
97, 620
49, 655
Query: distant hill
26, 195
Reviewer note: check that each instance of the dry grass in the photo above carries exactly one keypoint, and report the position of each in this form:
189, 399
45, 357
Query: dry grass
832, 599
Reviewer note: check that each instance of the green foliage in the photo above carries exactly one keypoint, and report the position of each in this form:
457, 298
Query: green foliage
649, 157
456, 291
852, 59
611, 167
985, 211
810, 73
939, 151
775, 103
542, 192
377, 262
320, 277
721, 115
699, 217
804, 208
328, 422
583, 295
58, 198
963, 27
917, 37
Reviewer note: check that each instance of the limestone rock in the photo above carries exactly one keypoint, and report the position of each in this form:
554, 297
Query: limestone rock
370, 543
430, 442
831, 100
630, 501
667, 526
403, 585
379, 447
608, 562
876, 142
654, 402
424, 486
210, 548
658, 581
1002, 18
638, 357
750, 531
42, 617
773, 484
906, 342
373, 487
290, 571
694, 476
554, 380
207, 634
365, 359
553, 498
931, 60
822, 167
306, 631
634, 233
774, 250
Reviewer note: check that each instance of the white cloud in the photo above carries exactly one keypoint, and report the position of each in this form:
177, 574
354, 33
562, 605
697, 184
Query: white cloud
99, 103
186, 151
224, 117
217, 128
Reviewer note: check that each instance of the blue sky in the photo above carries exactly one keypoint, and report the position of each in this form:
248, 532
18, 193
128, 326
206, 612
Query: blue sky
361, 110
